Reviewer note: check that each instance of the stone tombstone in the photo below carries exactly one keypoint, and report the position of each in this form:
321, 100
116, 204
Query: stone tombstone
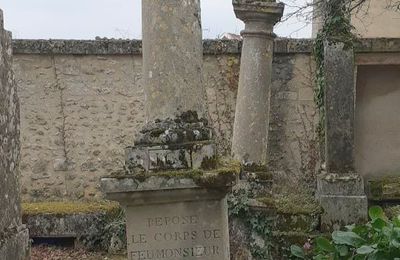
173, 218
13, 235
174, 195
340, 190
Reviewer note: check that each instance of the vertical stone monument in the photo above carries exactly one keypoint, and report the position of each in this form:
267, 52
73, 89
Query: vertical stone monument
250, 134
174, 186
13, 235
340, 190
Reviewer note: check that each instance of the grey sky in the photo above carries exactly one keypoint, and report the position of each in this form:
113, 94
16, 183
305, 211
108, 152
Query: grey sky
86, 19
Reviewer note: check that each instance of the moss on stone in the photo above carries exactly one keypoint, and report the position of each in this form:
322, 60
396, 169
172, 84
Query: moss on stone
209, 163
292, 203
69, 208
257, 168
392, 212
384, 189
224, 173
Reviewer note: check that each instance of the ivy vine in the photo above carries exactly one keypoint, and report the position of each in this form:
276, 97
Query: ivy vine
257, 222
336, 28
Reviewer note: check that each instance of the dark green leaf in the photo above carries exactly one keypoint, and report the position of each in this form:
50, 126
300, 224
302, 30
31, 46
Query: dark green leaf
297, 251
324, 244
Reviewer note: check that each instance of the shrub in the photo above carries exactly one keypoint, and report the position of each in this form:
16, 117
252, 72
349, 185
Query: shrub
378, 239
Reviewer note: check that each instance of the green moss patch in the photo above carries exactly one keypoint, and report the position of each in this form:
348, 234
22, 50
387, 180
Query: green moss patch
292, 203
384, 189
224, 173
69, 208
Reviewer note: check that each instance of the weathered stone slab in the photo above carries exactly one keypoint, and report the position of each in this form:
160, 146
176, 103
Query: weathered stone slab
343, 200
13, 235
339, 108
173, 218
89, 224
185, 230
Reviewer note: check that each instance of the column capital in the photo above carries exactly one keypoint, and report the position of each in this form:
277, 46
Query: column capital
267, 11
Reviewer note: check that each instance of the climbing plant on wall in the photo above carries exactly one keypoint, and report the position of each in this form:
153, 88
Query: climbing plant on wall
336, 28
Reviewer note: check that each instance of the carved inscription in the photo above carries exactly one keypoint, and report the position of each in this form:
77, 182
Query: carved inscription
175, 237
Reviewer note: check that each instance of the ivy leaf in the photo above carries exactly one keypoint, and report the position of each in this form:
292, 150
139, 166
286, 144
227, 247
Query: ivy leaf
324, 244
365, 250
297, 252
347, 238
375, 212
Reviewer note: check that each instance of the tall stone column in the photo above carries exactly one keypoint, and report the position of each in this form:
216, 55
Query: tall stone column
340, 190
250, 132
174, 188
13, 234
172, 58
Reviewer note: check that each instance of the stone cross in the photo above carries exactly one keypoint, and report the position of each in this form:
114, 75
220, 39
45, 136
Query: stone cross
251, 125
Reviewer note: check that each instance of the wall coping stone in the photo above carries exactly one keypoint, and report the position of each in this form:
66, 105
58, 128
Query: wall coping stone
211, 47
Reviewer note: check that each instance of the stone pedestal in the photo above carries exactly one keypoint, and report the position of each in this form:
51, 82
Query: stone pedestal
13, 235
340, 190
174, 217
251, 125
343, 199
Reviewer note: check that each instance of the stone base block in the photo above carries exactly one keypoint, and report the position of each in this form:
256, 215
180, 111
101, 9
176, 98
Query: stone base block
334, 184
172, 218
15, 246
343, 200
167, 157
342, 210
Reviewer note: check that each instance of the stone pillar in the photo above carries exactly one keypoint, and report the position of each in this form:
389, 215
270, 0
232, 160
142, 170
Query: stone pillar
172, 58
340, 190
174, 188
13, 235
251, 125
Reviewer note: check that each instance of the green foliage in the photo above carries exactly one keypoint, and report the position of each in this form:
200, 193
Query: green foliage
256, 221
378, 239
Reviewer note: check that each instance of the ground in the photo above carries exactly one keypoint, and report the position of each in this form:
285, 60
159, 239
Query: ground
53, 253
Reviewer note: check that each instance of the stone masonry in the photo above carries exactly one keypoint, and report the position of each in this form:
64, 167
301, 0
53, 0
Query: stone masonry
13, 235
99, 86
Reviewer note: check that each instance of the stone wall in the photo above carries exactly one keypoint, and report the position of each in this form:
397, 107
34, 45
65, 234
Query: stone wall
82, 103
13, 235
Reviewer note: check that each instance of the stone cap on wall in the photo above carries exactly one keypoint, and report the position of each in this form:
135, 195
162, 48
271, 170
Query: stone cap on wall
211, 47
